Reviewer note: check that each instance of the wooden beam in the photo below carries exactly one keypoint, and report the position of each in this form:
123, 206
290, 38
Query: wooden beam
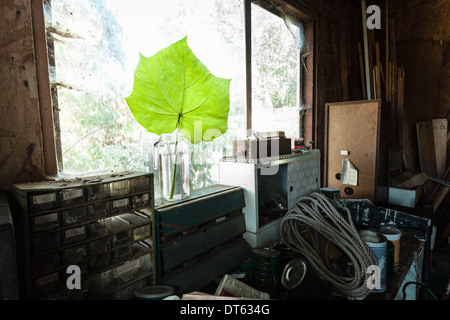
387, 49
43, 79
366, 48
400, 104
378, 77
248, 59
361, 65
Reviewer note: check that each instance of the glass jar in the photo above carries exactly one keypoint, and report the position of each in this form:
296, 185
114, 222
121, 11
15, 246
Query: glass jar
171, 157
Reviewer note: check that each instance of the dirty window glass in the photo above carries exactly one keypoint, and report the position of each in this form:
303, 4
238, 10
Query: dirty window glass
94, 47
276, 44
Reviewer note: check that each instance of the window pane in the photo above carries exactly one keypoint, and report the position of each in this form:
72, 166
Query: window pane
276, 46
97, 45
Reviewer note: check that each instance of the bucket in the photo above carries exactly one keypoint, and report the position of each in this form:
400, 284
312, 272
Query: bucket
303, 283
265, 269
153, 292
393, 234
378, 244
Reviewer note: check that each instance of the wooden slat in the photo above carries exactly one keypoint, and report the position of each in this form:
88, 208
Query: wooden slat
425, 142
387, 49
400, 105
432, 146
366, 49
440, 145
45, 100
361, 66
378, 68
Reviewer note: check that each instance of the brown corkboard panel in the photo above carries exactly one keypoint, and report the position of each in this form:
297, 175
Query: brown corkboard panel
353, 127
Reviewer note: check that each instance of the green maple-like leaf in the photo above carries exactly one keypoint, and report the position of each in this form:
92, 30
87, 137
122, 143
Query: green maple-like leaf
173, 87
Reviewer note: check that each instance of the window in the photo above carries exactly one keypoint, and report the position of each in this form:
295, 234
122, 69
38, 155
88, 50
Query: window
276, 45
94, 47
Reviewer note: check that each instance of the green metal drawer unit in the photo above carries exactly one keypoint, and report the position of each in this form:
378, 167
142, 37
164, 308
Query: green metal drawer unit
200, 238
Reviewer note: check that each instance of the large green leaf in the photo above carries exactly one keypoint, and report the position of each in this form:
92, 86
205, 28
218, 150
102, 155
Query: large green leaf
173, 87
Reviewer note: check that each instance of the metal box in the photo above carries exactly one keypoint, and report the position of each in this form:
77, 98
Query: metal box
271, 188
200, 238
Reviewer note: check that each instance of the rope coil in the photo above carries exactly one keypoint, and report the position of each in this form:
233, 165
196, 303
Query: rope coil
317, 215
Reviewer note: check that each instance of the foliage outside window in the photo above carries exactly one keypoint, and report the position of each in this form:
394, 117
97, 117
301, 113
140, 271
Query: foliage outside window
94, 48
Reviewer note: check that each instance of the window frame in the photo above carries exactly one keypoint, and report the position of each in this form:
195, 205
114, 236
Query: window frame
48, 95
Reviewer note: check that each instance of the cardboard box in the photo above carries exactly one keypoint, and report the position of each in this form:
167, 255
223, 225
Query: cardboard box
406, 188
405, 197
253, 149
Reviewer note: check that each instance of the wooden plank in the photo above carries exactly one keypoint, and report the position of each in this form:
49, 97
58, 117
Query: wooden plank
361, 66
400, 105
371, 45
427, 156
440, 145
378, 75
45, 100
432, 146
366, 48
387, 49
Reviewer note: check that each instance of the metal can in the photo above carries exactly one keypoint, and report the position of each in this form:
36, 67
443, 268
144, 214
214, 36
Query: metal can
303, 282
378, 244
265, 269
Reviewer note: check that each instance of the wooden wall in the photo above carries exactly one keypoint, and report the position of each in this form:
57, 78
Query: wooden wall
338, 31
422, 31
21, 156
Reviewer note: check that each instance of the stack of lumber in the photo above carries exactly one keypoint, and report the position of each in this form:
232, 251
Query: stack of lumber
381, 77
432, 140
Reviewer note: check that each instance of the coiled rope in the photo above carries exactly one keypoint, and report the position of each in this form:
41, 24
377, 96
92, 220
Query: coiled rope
318, 215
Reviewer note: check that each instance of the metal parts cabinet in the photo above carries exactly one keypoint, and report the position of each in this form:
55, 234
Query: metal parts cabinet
200, 238
104, 225
271, 188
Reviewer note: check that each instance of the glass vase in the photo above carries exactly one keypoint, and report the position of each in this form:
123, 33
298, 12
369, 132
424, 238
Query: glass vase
172, 159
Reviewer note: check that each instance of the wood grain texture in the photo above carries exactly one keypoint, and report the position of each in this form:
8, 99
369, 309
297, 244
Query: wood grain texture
356, 127
422, 32
21, 157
